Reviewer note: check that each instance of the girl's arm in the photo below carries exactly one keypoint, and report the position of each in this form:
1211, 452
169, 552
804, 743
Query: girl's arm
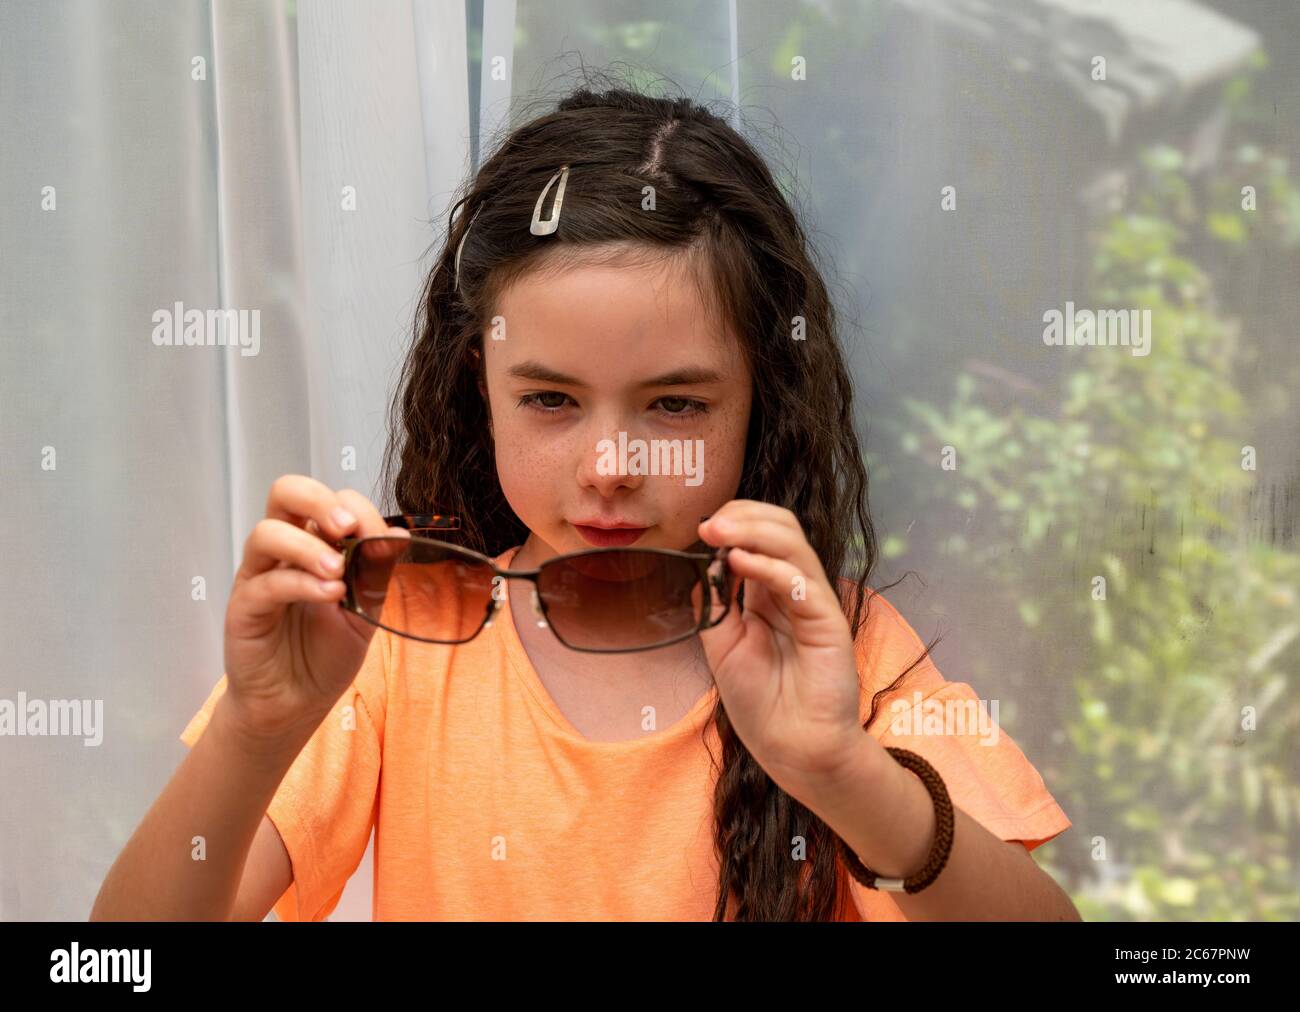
290, 651
219, 793
886, 816
786, 670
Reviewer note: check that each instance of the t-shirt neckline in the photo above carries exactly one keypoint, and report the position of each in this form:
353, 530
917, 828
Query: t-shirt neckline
503, 625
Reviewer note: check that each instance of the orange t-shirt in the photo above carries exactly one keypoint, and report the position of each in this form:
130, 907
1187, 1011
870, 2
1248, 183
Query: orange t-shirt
488, 804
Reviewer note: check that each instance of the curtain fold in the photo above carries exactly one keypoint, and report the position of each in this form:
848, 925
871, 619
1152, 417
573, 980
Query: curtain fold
181, 157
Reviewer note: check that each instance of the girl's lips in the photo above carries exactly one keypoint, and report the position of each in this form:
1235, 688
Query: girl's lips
607, 537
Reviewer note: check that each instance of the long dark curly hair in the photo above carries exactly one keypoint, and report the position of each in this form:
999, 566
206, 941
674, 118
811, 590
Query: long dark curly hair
715, 200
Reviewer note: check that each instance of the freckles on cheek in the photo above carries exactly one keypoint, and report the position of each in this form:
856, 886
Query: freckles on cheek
528, 468
725, 451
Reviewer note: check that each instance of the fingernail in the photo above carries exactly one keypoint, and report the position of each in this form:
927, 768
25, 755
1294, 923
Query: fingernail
342, 517
331, 562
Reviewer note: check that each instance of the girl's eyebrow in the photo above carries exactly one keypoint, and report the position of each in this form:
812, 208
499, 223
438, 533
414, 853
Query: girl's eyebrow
539, 373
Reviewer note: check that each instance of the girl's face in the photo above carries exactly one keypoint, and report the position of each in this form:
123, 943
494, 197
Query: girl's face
599, 377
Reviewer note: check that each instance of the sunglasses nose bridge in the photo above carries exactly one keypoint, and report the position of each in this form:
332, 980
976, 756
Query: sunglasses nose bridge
500, 583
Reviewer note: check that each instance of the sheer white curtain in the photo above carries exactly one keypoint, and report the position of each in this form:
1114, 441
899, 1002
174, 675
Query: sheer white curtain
296, 162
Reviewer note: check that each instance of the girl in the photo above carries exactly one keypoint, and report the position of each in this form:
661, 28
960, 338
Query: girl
667, 295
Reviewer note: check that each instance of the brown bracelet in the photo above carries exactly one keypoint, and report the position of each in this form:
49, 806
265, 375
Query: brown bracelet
943, 832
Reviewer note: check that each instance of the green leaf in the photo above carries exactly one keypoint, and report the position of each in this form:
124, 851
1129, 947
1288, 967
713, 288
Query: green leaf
1228, 227
1178, 892
893, 546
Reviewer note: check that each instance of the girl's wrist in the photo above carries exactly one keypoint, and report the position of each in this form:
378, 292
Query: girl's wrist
856, 778
881, 810
262, 748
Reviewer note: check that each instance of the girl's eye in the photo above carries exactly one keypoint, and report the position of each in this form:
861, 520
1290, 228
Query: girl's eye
546, 400
553, 401
681, 406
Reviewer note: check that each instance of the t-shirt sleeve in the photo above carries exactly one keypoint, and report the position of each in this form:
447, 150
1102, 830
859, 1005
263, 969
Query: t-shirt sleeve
947, 724
324, 809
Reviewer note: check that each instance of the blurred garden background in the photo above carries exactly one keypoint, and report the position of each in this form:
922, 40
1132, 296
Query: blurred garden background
1164, 717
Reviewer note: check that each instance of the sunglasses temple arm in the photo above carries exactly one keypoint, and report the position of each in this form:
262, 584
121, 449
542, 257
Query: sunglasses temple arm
726, 591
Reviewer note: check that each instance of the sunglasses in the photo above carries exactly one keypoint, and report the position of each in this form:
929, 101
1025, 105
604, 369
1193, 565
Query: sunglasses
600, 600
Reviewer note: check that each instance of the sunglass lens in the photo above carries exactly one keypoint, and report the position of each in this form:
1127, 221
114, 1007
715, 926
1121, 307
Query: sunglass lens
624, 600
420, 588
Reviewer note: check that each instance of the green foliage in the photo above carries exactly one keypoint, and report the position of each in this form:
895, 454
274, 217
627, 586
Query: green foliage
1201, 818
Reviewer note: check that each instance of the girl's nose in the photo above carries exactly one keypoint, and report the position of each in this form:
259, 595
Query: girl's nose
604, 465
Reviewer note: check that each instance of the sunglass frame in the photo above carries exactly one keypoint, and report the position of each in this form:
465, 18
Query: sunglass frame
718, 585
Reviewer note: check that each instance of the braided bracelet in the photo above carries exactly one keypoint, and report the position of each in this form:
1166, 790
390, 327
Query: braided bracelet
942, 835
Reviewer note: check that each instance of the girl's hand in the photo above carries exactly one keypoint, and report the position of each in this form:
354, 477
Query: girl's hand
785, 670
290, 650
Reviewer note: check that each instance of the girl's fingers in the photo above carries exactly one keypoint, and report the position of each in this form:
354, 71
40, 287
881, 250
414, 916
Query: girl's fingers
371, 522
791, 589
295, 497
269, 593
277, 541
742, 510
766, 535
304, 519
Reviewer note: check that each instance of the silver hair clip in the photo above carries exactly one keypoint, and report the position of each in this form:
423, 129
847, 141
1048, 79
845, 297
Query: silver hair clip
539, 227
461, 245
